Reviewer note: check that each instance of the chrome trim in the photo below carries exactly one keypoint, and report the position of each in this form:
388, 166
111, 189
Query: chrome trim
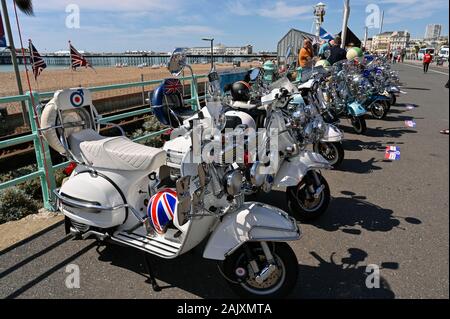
82, 205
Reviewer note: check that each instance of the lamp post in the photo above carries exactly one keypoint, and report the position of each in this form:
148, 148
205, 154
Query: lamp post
12, 50
319, 14
212, 50
345, 22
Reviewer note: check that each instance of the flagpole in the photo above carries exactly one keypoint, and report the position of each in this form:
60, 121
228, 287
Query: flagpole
70, 61
12, 50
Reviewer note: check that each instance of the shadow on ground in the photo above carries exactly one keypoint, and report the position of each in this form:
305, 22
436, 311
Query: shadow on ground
348, 214
200, 277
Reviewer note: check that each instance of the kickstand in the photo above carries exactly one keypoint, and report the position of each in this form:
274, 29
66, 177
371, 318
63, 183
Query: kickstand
151, 276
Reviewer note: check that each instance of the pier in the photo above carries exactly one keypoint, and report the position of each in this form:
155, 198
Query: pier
136, 60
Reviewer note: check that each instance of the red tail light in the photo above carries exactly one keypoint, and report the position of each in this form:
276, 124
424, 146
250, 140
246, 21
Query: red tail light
69, 169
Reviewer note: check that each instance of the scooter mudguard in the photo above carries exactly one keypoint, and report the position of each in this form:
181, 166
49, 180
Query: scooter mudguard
356, 109
380, 98
253, 222
394, 89
292, 172
332, 134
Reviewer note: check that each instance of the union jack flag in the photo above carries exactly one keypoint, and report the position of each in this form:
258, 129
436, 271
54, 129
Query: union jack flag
410, 124
37, 62
392, 153
76, 59
172, 86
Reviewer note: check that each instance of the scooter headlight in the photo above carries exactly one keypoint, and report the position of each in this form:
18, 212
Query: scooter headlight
256, 177
233, 183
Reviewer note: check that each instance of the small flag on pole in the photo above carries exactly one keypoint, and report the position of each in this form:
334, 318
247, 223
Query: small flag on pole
392, 153
325, 35
37, 62
2, 33
410, 124
76, 59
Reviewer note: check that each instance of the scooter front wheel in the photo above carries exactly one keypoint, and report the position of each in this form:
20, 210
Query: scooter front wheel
333, 152
359, 124
238, 271
308, 201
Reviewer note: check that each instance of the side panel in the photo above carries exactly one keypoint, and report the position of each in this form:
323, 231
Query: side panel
356, 109
255, 222
332, 134
292, 172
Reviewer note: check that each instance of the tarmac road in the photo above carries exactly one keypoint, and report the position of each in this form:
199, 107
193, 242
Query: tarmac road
390, 214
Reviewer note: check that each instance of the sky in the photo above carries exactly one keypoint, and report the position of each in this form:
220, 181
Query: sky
161, 25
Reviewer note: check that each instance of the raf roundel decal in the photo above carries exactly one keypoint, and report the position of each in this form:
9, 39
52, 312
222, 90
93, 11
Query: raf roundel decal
77, 99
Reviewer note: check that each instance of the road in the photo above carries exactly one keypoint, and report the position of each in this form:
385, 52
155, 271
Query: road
390, 214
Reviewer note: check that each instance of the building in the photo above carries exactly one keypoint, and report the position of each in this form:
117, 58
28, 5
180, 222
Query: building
368, 44
433, 31
294, 40
400, 40
387, 41
221, 49
381, 42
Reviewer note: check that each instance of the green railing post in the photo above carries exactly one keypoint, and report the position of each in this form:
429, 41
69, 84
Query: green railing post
194, 93
40, 151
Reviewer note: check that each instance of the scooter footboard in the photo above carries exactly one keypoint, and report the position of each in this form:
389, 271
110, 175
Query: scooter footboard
254, 222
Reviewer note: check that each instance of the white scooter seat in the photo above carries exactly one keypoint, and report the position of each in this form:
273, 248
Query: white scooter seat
120, 153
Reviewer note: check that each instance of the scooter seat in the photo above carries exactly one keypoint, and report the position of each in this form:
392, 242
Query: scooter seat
120, 153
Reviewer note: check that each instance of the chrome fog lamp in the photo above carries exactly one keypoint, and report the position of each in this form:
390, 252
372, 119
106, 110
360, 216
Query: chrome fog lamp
233, 183
256, 177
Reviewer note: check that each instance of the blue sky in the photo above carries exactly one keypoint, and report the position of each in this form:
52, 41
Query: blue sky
161, 25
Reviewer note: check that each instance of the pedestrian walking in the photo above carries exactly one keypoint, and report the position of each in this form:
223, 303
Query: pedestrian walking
427, 59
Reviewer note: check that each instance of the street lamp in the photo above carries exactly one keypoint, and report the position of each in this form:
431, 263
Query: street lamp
319, 13
212, 50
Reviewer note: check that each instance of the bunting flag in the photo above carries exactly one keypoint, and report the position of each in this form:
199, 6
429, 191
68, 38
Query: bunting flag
410, 124
2, 33
76, 59
37, 62
325, 35
392, 153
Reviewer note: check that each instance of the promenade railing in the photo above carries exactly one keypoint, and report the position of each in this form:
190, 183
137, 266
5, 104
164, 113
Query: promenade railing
48, 183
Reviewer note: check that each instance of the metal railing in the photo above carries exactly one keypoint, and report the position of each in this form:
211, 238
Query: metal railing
48, 183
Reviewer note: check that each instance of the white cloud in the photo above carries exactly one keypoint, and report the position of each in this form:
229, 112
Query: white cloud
407, 10
110, 5
280, 10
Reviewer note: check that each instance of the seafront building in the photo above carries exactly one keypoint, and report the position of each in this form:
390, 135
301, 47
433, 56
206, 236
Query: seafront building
221, 49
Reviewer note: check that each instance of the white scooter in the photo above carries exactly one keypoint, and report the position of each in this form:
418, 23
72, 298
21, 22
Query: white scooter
124, 193
288, 168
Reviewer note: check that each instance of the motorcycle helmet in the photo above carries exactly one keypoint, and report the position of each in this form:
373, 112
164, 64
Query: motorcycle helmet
323, 63
354, 53
161, 210
240, 91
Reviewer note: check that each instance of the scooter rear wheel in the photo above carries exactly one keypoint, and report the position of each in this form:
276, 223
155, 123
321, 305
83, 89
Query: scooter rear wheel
393, 99
237, 270
333, 152
359, 124
379, 110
